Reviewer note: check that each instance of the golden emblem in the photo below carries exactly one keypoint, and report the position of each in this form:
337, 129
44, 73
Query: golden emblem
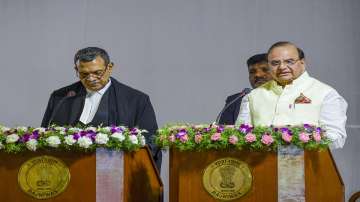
227, 179
43, 177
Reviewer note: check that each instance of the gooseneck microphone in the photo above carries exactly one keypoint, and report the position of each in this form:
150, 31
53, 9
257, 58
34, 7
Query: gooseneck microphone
57, 107
242, 94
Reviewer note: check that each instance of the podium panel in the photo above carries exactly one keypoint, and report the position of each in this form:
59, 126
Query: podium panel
322, 181
322, 178
186, 172
140, 179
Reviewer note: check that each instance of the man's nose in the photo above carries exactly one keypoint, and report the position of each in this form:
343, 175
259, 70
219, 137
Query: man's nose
91, 77
259, 74
283, 65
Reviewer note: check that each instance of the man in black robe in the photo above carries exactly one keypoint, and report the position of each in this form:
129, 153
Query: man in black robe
98, 99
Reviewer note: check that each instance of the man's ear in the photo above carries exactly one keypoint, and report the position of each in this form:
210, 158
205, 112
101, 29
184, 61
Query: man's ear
302, 61
110, 66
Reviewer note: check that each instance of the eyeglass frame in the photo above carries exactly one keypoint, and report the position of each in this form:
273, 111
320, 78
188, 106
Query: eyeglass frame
94, 74
289, 64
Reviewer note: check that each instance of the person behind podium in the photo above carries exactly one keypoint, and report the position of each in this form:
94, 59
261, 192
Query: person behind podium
295, 98
259, 73
98, 99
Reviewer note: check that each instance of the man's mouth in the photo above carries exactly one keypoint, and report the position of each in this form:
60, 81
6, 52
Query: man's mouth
93, 83
284, 73
260, 81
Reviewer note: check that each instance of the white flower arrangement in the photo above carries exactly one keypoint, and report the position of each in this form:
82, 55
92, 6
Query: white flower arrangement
74, 130
40, 129
84, 142
4, 129
53, 141
14, 140
101, 138
133, 139
21, 128
32, 144
118, 136
60, 128
107, 129
69, 140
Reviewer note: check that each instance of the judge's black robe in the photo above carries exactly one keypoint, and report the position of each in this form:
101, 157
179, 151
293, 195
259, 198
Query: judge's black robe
120, 105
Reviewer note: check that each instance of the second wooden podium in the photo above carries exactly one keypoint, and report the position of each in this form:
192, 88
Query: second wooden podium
322, 180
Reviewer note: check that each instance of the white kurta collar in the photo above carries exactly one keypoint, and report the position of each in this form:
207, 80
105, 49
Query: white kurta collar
279, 89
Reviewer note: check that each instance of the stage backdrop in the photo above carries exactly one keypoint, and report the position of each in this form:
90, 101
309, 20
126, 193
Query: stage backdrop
187, 55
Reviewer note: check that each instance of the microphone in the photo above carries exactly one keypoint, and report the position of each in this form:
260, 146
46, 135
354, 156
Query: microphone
242, 94
57, 107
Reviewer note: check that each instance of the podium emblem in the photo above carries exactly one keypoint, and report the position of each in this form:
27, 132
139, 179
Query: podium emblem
227, 179
43, 177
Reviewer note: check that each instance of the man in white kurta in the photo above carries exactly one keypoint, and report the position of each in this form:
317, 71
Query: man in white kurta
295, 98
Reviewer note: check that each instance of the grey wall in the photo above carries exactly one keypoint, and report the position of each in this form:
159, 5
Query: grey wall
187, 55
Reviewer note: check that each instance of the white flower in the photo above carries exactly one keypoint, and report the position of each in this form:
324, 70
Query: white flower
4, 129
53, 141
107, 129
12, 138
119, 136
1, 146
69, 140
101, 138
31, 144
84, 142
60, 128
142, 140
21, 128
91, 128
41, 130
74, 130
133, 139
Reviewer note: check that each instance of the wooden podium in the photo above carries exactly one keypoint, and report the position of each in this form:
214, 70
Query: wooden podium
140, 180
322, 180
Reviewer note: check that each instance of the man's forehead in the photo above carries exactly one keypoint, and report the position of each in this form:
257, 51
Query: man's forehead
258, 65
96, 61
283, 51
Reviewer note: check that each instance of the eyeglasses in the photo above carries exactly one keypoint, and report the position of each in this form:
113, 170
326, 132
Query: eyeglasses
97, 74
287, 62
